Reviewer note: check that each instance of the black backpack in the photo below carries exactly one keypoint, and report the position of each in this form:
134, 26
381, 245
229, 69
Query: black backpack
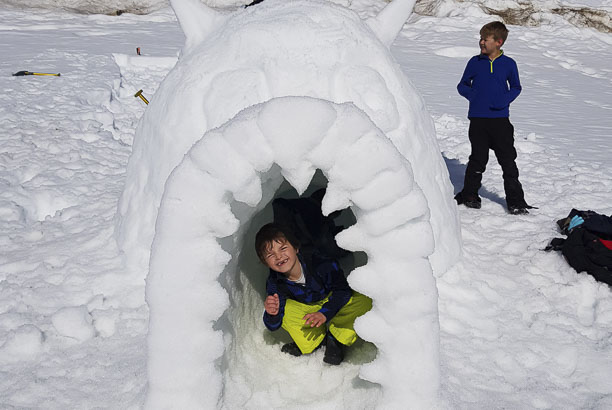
583, 248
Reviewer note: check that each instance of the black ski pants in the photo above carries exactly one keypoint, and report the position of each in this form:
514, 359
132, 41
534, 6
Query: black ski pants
496, 134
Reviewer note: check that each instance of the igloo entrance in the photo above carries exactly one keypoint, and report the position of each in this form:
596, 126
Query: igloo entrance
207, 209
253, 270
253, 367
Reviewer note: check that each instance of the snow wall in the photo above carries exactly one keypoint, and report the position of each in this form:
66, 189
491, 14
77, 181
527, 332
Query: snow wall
349, 112
228, 176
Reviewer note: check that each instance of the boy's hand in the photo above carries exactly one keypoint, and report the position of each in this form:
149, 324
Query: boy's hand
271, 304
315, 319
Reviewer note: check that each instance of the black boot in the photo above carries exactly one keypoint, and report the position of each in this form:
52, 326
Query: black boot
471, 201
520, 208
292, 349
334, 351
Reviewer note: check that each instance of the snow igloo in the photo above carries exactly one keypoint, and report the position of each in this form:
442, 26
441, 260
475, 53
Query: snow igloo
286, 95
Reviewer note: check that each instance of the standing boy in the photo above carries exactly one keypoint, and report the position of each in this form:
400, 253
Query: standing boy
490, 83
307, 295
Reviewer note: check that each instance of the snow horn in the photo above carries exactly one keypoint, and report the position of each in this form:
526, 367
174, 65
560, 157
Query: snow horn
389, 22
196, 20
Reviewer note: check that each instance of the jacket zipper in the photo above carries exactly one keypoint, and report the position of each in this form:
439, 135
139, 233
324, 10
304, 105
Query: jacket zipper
491, 61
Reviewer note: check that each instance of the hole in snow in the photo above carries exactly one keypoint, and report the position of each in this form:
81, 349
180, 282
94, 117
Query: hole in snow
255, 371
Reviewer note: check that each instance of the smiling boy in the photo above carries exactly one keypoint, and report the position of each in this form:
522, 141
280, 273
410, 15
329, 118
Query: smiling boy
308, 297
490, 83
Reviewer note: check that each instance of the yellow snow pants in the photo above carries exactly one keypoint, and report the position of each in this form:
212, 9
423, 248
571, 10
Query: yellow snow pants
340, 326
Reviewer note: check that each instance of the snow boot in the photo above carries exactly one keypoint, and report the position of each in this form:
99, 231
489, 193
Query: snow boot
517, 210
470, 201
520, 209
292, 349
334, 351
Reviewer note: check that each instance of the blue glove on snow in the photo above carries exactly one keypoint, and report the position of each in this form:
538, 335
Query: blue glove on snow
574, 222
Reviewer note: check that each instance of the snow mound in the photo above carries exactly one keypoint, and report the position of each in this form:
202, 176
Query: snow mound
200, 206
310, 48
74, 322
23, 343
271, 93
585, 13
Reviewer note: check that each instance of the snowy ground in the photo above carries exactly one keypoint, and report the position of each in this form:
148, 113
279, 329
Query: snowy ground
520, 329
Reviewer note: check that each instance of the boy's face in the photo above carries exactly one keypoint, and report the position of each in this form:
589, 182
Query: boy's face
489, 46
280, 256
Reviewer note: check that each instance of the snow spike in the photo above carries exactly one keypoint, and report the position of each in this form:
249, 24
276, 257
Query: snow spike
196, 19
389, 22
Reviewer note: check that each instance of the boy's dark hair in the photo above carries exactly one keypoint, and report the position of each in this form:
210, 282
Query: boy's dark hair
497, 29
269, 233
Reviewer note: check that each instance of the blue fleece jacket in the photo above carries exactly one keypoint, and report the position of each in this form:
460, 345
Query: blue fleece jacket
490, 86
323, 277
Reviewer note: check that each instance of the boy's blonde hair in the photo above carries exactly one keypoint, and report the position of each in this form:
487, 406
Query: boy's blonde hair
497, 29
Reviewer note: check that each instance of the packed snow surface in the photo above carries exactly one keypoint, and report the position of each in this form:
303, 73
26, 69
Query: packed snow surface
519, 327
